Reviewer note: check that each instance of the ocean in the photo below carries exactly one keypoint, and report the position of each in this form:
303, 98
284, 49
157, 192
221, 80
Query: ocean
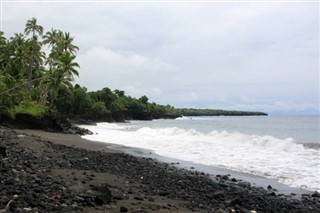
285, 148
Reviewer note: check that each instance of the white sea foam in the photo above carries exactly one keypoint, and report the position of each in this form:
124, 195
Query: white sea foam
283, 159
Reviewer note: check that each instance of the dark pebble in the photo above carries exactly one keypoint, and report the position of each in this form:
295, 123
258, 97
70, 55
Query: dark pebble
234, 180
225, 177
138, 198
123, 209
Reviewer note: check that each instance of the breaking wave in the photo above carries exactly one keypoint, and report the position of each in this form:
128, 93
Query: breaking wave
283, 159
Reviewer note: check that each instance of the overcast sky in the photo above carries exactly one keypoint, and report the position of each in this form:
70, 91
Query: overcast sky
241, 56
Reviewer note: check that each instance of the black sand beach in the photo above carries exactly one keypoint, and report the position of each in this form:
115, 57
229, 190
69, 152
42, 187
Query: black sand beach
51, 172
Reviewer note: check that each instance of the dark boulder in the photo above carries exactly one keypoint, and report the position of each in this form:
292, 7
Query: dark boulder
3, 151
123, 209
316, 194
103, 195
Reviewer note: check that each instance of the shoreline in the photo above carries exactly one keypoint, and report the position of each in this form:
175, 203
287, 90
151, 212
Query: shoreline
79, 142
255, 180
78, 169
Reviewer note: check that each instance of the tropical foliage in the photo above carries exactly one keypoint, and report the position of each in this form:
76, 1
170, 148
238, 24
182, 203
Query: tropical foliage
109, 105
37, 69
34, 66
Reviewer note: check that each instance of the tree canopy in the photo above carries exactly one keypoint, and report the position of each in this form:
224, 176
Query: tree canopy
36, 82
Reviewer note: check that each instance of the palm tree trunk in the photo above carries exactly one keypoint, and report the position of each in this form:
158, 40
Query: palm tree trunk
30, 76
31, 66
44, 95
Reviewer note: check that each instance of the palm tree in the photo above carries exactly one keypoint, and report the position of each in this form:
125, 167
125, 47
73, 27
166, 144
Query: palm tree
4, 58
62, 67
67, 65
67, 45
32, 27
3, 40
51, 37
12, 64
60, 43
61, 74
16, 57
35, 51
54, 81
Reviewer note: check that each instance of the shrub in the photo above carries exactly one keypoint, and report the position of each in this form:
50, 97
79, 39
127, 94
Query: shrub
31, 108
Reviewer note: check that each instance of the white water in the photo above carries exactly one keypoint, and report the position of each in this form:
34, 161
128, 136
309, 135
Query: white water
265, 155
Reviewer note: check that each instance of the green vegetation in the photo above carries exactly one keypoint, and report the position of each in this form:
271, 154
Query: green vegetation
36, 73
31, 108
30, 78
37, 69
216, 112
109, 105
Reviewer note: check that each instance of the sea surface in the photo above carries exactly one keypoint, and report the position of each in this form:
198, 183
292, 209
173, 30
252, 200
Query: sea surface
285, 148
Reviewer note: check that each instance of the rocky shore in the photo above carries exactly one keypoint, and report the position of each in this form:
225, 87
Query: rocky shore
69, 175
